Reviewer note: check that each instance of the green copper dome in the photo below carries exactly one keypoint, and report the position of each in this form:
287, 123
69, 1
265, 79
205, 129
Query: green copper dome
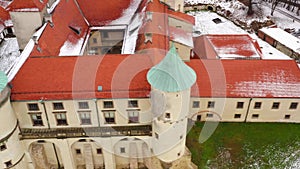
171, 74
3, 81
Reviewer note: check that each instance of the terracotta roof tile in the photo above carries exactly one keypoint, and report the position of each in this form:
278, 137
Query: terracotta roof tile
246, 78
120, 76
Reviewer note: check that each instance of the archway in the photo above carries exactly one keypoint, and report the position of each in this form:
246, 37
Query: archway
132, 153
45, 154
87, 154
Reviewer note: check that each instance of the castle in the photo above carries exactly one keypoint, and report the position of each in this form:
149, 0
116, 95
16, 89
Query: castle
112, 84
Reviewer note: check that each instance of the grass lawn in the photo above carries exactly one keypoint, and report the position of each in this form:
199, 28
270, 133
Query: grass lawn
247, 145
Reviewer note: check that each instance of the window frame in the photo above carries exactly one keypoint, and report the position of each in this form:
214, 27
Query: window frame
110, 119
108, 106
83, 105
61, 122
240, 105
30, 108
131, 105
275, 105
87, 120
293, 105
35, 122
257, 105
133, 116
196, 104
211, 104
56, 107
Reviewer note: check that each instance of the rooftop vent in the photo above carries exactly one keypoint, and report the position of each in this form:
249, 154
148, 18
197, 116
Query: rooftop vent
75, 29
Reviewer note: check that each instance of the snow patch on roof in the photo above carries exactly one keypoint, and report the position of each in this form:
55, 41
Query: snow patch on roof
186, 40
27, 10
53, 6
70, 48
127, 14
21, 60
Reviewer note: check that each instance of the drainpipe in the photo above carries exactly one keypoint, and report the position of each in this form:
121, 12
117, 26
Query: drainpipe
97, 111
248, 110
55, 151
45, 110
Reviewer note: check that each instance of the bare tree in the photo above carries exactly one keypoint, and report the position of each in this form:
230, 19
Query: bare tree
274, 4
250, 10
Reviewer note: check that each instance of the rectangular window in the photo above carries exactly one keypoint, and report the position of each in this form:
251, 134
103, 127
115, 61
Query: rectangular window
255, 116
168, 115
99, 150
78, 151
287, 116
133, 116
275, 105
108, 104
257, 105
58, 106
85, 117
33, 107
83, 105
94, 40
37, 119
133, 103
156, 135
122, 149
198, 117
3, 146
196, 104
104, 34
240, 105
61, 118
210, 104
109, 116
237, 116
294, 105
209, 115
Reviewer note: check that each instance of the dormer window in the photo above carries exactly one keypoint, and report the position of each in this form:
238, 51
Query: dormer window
148, 16
148, 37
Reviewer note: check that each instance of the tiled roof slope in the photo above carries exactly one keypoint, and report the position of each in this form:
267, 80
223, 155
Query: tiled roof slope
123, 76
226, 46
27, 5
56, 78
246, 78
66, 15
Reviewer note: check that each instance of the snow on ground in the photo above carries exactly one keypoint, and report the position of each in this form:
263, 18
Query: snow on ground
281, 20
9, 52
205, 25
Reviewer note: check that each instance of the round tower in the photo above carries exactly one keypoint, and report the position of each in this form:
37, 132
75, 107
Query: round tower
171, 81
11, 151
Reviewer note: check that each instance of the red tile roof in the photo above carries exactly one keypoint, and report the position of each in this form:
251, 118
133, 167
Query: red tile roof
4, 15
226, 45
182, 16
52, 39
102, 12
123, 76
56, 78
246, 78
27, 5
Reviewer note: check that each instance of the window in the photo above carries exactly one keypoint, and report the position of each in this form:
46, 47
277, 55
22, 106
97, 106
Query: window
8, 163
196, 104
132, 103
78, 151
58, 106
181, 136
122, 149
94, 40
104, 34
275, 105
83, 105
109, 116
240, 105
287, 116
209, 115
61, 118
257, 105
108, 104
99, 150
85, 117
168, 115
33, 107
133, 116
237, 116
156, 135
3, 146
294, 105
210, 104
198, 117
37, 119
255, 116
